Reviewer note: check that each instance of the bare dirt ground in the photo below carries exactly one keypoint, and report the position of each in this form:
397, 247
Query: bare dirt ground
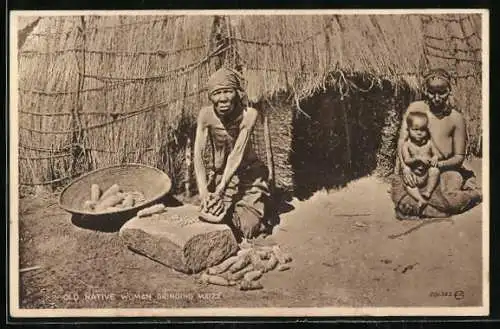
348, 249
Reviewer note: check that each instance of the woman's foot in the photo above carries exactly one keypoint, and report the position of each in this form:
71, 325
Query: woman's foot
407, 212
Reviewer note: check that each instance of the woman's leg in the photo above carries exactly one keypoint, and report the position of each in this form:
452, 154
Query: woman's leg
432, 182
459, 200
414, 192
250, 210
247, 221
406, 207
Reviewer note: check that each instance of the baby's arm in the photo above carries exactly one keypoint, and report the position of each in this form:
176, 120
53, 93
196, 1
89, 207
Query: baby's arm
434, 154
408, 158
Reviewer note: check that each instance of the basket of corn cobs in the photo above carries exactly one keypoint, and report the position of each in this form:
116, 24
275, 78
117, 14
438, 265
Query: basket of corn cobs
114, 190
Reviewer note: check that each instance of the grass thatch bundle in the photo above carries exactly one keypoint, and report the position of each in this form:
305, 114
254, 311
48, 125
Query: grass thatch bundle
102, 90
301, 52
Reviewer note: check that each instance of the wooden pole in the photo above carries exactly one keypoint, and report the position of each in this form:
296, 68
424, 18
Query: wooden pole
76, 124
393, 109
23, 34
187, 178
217, 40
269, 149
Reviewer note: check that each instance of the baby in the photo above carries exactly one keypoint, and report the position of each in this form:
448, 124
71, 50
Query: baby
421, 155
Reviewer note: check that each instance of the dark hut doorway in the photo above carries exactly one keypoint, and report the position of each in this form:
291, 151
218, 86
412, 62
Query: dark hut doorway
343, 138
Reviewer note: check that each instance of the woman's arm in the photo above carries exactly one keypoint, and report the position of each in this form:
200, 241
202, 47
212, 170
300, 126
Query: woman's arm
199, 146
459, 142
236, 156
434, 151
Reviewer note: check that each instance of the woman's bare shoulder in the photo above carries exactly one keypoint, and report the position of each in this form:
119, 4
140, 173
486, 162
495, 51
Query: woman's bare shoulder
250, 115
457, 114
206, 115
251, 111
205, 110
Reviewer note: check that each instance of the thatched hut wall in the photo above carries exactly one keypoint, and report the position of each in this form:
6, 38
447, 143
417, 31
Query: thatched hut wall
109, 90
280, 110
454, 43
48, 81
102, 90
153, 74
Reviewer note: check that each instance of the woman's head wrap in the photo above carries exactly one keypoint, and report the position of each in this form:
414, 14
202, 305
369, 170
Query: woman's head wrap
437, 74
224, 78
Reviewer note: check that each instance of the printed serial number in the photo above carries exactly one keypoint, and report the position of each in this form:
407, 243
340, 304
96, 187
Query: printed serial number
458, 294
441, 294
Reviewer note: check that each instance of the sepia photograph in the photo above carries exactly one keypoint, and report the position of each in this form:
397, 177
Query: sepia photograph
249, 163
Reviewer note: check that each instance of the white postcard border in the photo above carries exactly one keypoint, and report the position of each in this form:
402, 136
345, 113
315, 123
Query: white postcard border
13, 247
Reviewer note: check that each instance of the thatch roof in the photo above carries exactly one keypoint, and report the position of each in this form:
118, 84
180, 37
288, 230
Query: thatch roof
277, 52
304, 51
120, 85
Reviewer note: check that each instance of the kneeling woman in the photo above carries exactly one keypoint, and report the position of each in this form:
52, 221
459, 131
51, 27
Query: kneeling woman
238, 191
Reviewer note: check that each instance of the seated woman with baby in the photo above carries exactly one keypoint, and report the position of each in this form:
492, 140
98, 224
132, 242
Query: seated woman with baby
430, 179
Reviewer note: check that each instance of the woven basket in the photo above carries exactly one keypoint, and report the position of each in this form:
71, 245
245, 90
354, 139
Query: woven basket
151, 182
